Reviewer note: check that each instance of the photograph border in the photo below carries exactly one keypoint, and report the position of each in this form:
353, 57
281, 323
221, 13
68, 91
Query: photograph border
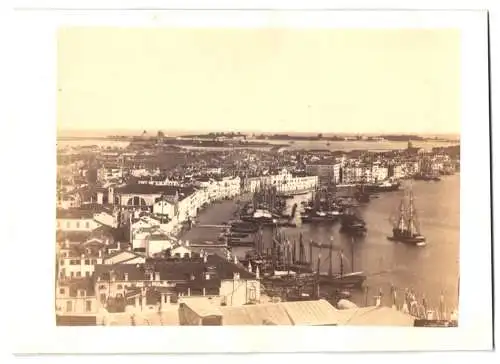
37, 34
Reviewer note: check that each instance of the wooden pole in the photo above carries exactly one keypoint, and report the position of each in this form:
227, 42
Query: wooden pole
311, 253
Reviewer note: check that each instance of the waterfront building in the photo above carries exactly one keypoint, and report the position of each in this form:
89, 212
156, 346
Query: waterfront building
221, 188
328, 171
355, 172
284, 181
396, 171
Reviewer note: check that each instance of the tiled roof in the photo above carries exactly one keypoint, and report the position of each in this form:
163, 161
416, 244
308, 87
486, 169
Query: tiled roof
78, 284
74, 214
176, 270
148, 189
374, 316
72, 236
272, 313
314, 313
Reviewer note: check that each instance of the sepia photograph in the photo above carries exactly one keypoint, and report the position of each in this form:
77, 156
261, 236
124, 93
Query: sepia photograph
267, 168
258, 177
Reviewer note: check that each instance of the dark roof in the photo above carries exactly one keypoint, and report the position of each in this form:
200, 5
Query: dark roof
148, 189
76, 284
72, 236
74, 214
176, 270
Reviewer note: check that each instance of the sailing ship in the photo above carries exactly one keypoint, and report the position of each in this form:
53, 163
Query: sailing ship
406, 227
342, 279
320, 211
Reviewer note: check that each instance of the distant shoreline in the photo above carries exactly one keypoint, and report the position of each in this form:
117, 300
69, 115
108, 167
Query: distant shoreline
262, 141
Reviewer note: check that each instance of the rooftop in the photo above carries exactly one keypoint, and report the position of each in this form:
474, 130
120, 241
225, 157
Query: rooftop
175, 270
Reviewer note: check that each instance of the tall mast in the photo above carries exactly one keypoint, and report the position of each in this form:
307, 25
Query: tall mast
352, 254
341, 263
311, 253
401, 218
330, 258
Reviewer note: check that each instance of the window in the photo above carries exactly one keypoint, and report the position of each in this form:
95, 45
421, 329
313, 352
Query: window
68, 224
62, 262
87, 261
102, 286
78, 261
62, 290
69, 306
88, 306
102, 298
87, 274
78, 274
78, 225
94, 261
72, 274
87, 225
119, 286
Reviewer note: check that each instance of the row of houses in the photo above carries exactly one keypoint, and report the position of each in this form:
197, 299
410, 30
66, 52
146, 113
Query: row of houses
126, 281
341, 171
284, 180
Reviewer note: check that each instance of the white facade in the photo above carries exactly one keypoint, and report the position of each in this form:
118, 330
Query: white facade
284, 182
77, 267
227, 187
379, 173
84, 224
67, 304
164, 208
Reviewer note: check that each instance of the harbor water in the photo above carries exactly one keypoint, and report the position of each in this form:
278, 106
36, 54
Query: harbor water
429, 271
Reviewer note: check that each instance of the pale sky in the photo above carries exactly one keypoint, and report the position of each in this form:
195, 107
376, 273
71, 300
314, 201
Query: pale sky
263, 80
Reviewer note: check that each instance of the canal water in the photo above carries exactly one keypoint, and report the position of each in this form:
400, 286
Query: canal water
429, 271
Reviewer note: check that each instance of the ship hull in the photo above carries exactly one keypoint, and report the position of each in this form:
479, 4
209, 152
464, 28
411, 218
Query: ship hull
355, 280
411, 240
319, 219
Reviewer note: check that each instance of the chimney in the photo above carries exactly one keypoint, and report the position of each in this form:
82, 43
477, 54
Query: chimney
66, 243
119, 245
207, 276
129, 248
187, 243
205, 257
126, 276
257, 273
157, 276
249, 266
100, 253
98, 278
236, 276
235, 259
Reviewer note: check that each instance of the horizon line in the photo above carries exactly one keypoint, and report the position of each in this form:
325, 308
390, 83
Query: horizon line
202, 130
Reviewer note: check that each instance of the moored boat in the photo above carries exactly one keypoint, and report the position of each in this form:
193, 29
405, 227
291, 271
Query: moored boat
406, 227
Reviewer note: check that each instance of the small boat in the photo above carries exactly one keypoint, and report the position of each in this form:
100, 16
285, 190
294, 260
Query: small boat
353, 224
406, 227
244, 227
